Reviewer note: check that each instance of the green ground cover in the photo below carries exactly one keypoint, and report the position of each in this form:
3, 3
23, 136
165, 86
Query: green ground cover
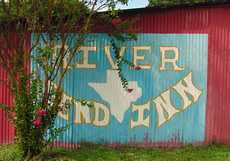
88, 152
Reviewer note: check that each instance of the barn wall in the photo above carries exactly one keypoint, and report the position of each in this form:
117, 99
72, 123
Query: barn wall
195, 23
212, 21
6, 128
202, 34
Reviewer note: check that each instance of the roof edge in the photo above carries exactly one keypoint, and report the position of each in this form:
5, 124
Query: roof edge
184, 6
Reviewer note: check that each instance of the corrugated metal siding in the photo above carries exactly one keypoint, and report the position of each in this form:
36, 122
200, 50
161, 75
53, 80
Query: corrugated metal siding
6, 128
219, 85
213, 21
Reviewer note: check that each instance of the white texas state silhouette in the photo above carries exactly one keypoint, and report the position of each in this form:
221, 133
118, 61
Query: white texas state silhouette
113, 92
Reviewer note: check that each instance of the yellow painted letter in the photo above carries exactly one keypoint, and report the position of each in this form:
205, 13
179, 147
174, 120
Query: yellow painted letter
101, 122
85, 63
186, 87
109, 57
173, 60
137, 57
81, 113
65, 98
164, 107
141, 120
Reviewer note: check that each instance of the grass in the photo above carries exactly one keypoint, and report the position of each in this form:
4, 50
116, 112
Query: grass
90, 152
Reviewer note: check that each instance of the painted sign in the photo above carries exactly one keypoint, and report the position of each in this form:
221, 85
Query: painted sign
166, 99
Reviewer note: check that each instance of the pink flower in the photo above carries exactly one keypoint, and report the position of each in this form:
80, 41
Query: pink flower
116, 21
37, 122
137, 68
129, 90
41, 112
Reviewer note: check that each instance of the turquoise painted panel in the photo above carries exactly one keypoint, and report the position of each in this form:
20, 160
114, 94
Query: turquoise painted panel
166, 99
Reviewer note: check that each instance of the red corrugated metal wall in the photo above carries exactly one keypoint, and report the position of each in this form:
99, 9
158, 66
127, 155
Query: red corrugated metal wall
211, 20
6, 128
